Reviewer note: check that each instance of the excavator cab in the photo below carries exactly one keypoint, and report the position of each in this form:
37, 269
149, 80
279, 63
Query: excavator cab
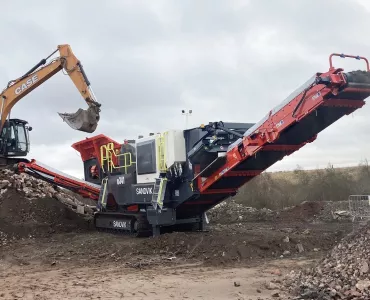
14, 138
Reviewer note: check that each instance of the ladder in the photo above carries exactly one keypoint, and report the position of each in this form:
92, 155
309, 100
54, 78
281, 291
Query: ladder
103, 196
159, 192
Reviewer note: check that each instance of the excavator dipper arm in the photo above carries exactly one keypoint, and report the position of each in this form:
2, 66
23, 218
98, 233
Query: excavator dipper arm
82, 120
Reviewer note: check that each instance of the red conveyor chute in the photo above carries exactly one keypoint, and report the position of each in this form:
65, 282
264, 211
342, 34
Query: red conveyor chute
90, 147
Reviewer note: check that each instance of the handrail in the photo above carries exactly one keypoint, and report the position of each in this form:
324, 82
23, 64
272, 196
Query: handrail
346, 55
108, 157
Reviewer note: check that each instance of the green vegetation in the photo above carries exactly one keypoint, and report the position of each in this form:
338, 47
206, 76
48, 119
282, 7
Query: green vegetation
277, 190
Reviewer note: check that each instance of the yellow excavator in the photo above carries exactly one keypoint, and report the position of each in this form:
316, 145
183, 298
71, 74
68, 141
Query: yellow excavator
14, 133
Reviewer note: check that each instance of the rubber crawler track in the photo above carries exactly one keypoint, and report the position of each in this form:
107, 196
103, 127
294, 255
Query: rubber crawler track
144, 230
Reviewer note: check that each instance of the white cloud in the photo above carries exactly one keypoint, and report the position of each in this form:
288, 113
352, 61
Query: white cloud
59, 156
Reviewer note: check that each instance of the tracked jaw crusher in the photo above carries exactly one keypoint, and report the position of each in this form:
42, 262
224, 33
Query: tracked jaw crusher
168, 181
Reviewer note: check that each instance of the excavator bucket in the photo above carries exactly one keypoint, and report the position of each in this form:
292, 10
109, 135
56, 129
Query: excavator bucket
82, 120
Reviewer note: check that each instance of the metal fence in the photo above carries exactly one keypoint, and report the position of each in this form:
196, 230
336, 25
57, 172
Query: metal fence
359, 207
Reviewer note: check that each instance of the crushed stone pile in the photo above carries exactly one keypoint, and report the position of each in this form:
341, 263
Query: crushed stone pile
343, 273
317, 212
231, 212
334, 212
309, 211
30, 207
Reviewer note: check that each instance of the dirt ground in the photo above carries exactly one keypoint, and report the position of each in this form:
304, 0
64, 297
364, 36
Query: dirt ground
233, 261
113, 281
49, 252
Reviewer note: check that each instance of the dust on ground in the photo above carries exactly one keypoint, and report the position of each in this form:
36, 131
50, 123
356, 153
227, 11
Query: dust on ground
50, 252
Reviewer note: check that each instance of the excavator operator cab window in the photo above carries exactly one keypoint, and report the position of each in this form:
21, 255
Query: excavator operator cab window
14, 140
22, 138
12, 143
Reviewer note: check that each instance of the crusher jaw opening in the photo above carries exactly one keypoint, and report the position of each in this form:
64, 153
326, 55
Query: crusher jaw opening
82, 120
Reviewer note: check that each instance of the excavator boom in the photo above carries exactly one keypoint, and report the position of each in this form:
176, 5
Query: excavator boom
82, 120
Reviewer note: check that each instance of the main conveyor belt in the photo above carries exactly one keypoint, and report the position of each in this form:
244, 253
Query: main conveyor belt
322, 100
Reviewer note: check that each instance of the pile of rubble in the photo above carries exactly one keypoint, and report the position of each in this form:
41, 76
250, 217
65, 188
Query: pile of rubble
33, 188
334, 211
309, 211
231, 212
31, 207
343, 274
317, 212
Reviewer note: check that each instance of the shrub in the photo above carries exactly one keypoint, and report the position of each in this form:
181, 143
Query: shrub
274, 191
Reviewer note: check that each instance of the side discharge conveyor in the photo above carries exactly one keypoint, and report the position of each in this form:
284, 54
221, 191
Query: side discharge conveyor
168, 181
38, 170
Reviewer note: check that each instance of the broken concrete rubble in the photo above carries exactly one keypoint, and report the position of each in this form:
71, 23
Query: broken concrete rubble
342, 274
34, 188
318, 212
31, 208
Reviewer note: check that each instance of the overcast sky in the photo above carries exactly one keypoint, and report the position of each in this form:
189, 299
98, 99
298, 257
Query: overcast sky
147, 60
